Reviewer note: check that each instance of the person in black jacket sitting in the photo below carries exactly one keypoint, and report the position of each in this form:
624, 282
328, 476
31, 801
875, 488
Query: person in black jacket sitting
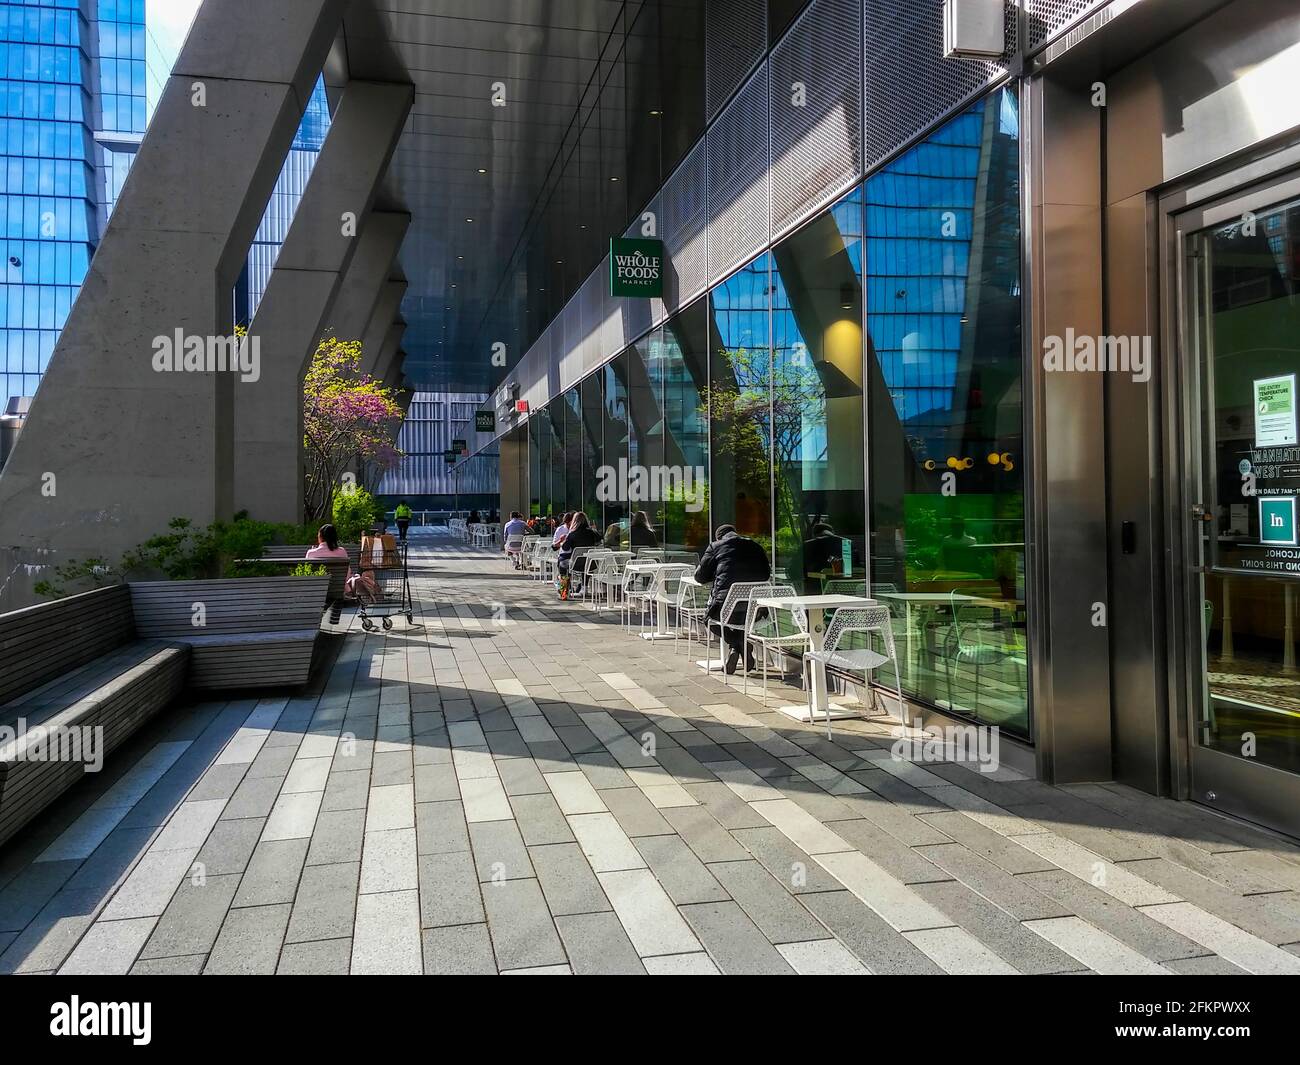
581, 534
731, 559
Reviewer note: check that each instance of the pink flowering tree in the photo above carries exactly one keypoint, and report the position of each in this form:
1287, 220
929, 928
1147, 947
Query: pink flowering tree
350, 420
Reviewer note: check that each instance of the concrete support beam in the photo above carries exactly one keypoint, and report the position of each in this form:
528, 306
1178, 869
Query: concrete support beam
117, 443
387, 310
391, 356
372, 262
294, 311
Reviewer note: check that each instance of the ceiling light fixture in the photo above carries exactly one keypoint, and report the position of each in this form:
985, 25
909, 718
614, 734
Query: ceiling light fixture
481, 170
469, 220
656, 113
613, 179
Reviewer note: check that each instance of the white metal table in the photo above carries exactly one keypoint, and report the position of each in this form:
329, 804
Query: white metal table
816, 607
662, 631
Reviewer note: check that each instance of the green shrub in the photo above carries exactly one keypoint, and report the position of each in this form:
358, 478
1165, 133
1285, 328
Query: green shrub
306, 569
355, 511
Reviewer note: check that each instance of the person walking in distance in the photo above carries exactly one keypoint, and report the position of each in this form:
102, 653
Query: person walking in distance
402, 513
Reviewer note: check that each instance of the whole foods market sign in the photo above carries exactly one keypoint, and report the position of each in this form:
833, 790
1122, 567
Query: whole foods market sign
636, 267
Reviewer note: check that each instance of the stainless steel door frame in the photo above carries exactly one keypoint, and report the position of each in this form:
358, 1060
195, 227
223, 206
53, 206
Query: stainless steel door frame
1254, 791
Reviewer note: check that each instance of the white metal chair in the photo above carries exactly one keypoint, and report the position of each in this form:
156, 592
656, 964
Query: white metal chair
596, 560
778, 630
692, 614
838, 652
664, 588
635, 589
738, 596
514, 548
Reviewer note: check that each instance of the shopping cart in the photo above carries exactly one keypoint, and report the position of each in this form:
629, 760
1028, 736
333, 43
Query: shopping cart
383, 586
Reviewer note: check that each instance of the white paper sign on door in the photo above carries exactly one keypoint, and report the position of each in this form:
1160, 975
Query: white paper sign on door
1275, 413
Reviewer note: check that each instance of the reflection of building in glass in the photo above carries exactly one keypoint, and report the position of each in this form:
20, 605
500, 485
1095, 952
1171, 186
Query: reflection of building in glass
425, 478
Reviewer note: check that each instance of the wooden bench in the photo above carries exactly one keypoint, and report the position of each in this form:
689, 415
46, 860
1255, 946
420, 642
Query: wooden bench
77, 664
256, 631
338, 569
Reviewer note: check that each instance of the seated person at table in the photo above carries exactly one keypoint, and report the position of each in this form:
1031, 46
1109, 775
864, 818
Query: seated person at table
581, 534
820, 550
474, 518
731, 559
516, 526
642, 535
327, 546
562, 530
613, 535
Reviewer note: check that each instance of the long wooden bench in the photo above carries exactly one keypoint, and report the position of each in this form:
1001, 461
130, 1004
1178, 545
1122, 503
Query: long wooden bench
338, 569
74, 664
255, 631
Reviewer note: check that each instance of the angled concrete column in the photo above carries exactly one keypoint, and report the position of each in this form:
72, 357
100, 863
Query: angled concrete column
294, 310
118, 441
377, 248
381, 320
389, 365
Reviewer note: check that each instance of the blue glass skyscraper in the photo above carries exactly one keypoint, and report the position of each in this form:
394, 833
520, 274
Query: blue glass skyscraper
73, 109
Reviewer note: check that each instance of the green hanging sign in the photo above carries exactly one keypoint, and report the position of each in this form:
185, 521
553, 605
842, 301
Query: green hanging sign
485, 421
636, 267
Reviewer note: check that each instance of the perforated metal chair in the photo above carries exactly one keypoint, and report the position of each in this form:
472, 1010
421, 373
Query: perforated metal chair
838, 652
738, 596
777, 630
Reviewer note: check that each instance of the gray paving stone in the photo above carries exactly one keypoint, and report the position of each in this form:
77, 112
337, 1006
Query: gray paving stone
190, 965
1272, 917
523, 933
1131, 927
540, 819
346, 790
708, 839
273, 872
250, 941
635, 813
578, 738
733, 941
791, 867
567, 879
337, 837
28, 892
776, 912
910, 865
193, 918
440, 827
520, 775
449, 890
230, 845
459, 950
996, 929
1210, 965
597, 945
1002, 852
436, 783
499, 852
602, 770
326, 957
725, 805
683, 876
879, 947
219, 782
273, 762
391, 767
253, 798
326, 903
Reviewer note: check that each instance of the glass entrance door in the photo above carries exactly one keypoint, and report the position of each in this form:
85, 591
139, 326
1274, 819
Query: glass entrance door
1241, 354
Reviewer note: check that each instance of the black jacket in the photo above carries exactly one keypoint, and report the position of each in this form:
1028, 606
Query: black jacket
584, 537
734, 559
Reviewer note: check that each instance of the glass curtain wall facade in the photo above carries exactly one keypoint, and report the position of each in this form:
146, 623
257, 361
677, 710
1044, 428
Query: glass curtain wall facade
852, 401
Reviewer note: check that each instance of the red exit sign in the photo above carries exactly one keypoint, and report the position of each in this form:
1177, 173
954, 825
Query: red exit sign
521, 406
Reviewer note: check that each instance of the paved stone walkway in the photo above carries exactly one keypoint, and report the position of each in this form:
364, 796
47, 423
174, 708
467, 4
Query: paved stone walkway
521, 787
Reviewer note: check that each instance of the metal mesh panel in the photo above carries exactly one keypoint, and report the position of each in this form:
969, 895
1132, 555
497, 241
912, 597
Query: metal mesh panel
735, 38
569, 337
685, 222
1044, 17
592, 319
738, 154
816, 110
908, 82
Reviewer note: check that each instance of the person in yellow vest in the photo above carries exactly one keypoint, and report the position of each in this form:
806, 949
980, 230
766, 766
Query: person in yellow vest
403, 515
